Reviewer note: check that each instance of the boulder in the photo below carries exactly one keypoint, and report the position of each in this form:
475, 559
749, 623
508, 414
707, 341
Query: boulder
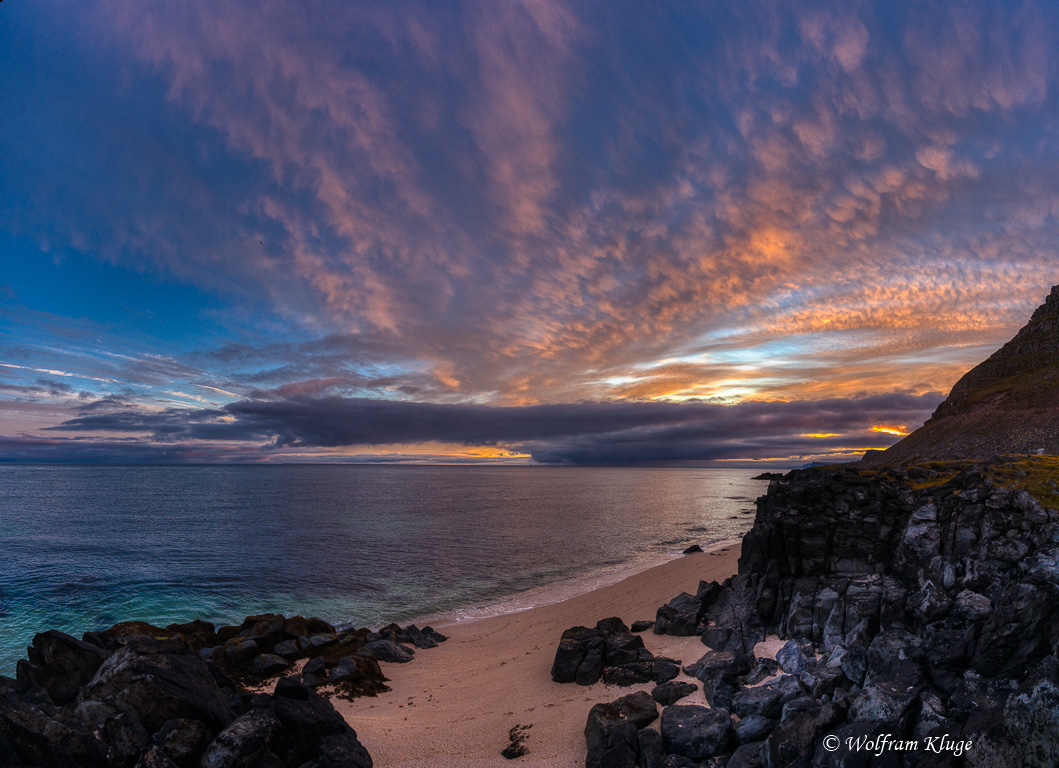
158, 688
714, 664
767, 700
695, 732
591, 667
790, 658
663, 670
611, 733
42, 735
183, 740
629, 674
243, 743
125, 738
794, 738
268, 665
972, 606
854, 664
570, 653
155, 757
387, 650
649, 745
62, 665
889, 700
821, 679
358, 674
1031, 718
763, 668
672, 691
753, 728
746, 756
342, 750
305, 718
287, 649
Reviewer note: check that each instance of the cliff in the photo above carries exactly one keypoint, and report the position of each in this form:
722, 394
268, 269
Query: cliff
1008, 404
919, 604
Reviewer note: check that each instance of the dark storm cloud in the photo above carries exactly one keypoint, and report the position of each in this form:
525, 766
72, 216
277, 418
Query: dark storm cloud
575, 433
23, 448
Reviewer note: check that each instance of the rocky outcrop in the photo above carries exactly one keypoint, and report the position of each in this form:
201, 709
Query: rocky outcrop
919, 603
608, 651
1008, 404
140, 696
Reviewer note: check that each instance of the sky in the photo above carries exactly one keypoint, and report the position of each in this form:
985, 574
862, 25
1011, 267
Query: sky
514, 231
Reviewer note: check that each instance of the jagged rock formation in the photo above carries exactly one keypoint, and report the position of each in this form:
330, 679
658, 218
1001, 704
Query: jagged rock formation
920, 604
1007, 404
140, 696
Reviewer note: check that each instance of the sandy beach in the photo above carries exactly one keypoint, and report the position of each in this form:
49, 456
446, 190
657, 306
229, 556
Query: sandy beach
455, 705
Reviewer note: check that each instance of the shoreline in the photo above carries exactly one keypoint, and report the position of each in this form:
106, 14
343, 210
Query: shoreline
456, 704
546, 595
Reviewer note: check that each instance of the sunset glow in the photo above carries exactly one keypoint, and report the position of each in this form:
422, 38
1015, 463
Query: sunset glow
226, 230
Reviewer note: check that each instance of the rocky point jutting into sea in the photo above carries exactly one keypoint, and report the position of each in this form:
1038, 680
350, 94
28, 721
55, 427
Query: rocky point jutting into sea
919, 601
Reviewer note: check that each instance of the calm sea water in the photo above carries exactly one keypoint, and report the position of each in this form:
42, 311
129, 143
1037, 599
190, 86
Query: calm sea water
84, 547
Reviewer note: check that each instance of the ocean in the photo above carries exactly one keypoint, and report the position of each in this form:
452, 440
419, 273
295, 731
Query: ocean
87, 546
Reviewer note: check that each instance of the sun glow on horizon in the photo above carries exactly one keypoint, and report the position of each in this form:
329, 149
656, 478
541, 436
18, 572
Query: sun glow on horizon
899, 430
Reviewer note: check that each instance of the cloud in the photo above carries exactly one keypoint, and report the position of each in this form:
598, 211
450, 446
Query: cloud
575, 433
539, 202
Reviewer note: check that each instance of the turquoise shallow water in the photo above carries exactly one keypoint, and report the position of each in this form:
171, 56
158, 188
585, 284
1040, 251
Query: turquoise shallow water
85, 546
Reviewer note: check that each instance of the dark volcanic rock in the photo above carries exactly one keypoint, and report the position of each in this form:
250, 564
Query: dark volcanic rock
746, 756
342, 750
137, 696
664, 669
719, 664
154, 757
387, 650
267, 665
767, 700
652, 751
609, 650
611, 732
794, 738
629, 674
668, 693
753, 728
183, 740
243, 743
60, 664
156, 688
929, 591
695, 732
790, 658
